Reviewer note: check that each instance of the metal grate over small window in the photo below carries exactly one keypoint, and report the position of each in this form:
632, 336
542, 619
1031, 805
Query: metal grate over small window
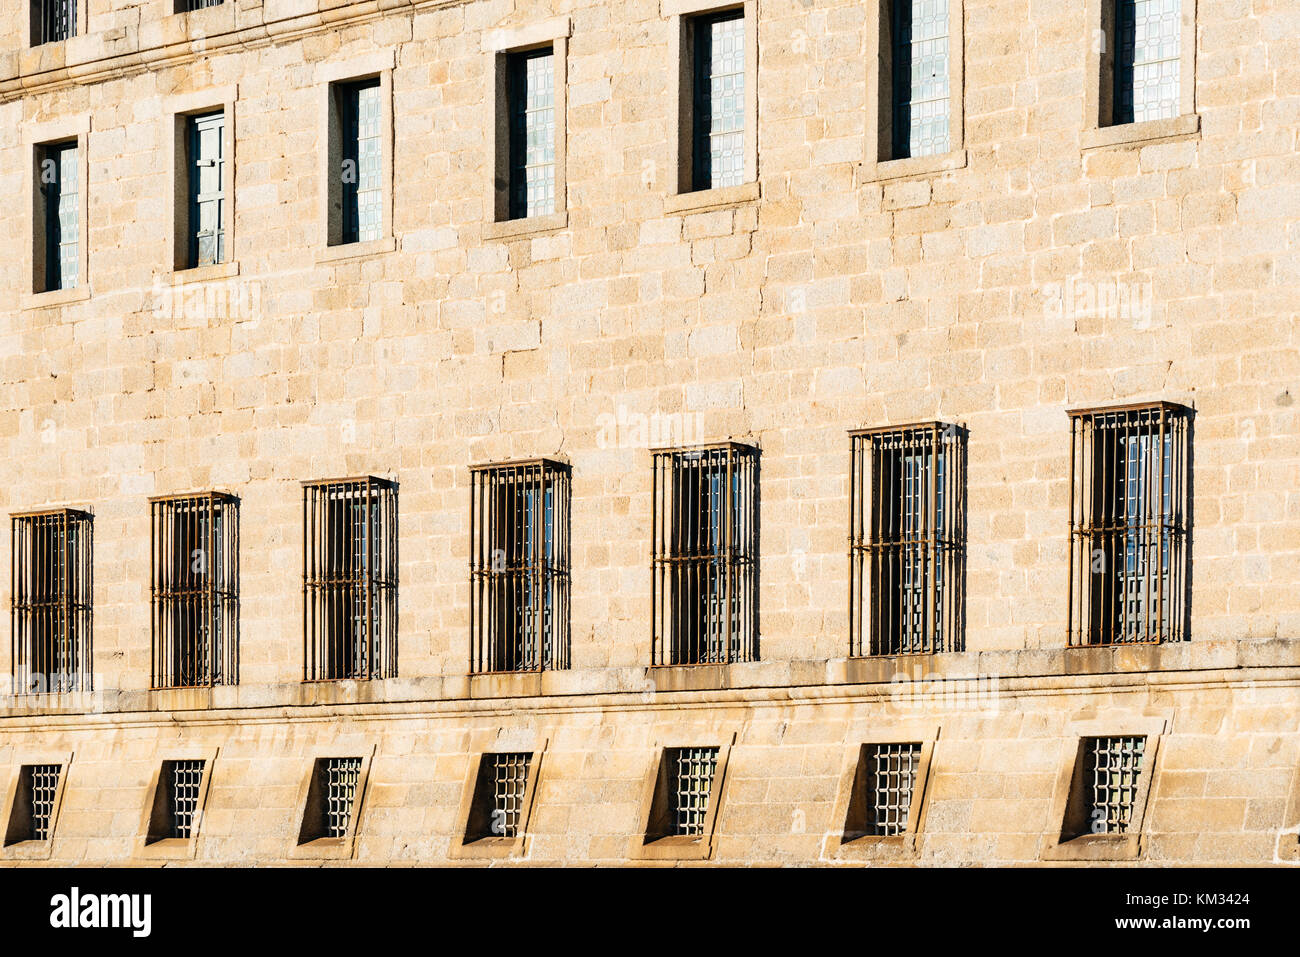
184, 6
509, 782
52, 601
53, 20
340, 792
45, 785
183, 780
519, 567
907, 542
690, 785
1114, 772
195, 546
920, 77
350, 579
1148, 35
531, 104
719, 99
704, 584
1129, 524
891, 776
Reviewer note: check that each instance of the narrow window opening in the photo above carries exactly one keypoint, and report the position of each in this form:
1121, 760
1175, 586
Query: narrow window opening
206, 160
32, 818
51, 607
58, 175
531, 105
718, 102
361, 165
920, 77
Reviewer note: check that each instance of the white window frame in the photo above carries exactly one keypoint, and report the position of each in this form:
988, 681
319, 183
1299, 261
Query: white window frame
177, 112
35, 137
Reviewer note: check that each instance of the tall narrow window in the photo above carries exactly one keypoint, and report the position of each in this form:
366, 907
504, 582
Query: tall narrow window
907, 558
519, 572
52, 602
920, 77
195, 591
205, 139
1147, 64
1129, 524
531, 102
718, 102
57, 176
350, 579
360, 168
53, 20
704, 584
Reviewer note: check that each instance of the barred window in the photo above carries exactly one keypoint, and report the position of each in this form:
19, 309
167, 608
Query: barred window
691, 773
920, 70
1114, 771
33, 812
718, 102
182, 780
51, 610
206, 163
497, 809
519, 567
58, 173
350, 579
1147, 67
195, 546
704, 586
892, 775
184, 6
53, 20
530, 99
361, 163
341, 777
1129, 521
907, 551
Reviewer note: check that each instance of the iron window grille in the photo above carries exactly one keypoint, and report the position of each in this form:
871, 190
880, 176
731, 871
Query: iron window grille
1129, 524
341, 776
58, 175
39, 785
350, 579
530, 99
509, 785
1114, 772
907, 541
519, 567
1148, 36
195, 547
690, 786
53, 20
704, 581
718, 101
920, 77
361, 169
892, 773
51, 592
207, 192
185, 6
182, 781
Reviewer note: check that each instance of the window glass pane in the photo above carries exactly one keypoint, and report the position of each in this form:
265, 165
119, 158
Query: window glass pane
719, 101
1148, 35
59, 184
207, 195
920, 77
361, 169
532, 133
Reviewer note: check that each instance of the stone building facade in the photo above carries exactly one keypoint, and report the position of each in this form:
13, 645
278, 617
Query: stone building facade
1047, 260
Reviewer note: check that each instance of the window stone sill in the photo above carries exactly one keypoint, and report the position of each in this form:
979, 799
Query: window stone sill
1095, 847
525, 226
711, 198
224, 270
1141, 134
346, 251
56, 297
912, 166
